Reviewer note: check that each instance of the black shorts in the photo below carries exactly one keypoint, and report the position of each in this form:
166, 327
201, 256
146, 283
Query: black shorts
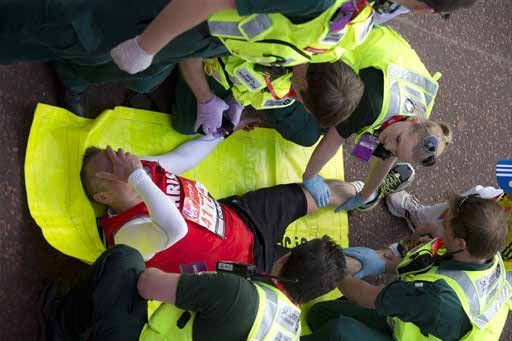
268, 212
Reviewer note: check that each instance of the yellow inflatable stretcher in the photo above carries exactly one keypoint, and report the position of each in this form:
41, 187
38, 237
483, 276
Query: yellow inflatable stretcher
244, 162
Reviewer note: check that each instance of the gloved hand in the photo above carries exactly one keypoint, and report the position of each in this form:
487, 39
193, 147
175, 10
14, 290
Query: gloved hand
130, 57
350, 204
318, 189
371, 263
234, 111
209, 115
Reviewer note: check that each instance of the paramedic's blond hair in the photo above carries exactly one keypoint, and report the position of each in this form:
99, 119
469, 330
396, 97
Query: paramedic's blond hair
441, 131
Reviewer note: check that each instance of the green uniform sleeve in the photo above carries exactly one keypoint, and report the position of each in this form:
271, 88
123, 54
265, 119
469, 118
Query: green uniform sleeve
432, 306
369, 107
294, 123
306, 9
220, 300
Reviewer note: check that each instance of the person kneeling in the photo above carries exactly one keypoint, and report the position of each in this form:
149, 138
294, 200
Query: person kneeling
441, 286
110, 300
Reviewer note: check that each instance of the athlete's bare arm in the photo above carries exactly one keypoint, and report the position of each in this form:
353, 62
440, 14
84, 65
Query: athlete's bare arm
177, 17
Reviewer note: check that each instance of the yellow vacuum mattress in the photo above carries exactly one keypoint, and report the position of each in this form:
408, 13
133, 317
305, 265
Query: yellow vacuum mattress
245, 161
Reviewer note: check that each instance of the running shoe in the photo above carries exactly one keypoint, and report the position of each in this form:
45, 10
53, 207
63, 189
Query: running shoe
404, 205
398, 179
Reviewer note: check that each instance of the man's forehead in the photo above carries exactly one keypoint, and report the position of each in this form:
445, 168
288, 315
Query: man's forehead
99, 161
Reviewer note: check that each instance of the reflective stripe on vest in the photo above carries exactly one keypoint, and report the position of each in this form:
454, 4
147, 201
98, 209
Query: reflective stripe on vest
252, 27
412, 77
256, 26
405, 99
269, 314
492, 280
225, 28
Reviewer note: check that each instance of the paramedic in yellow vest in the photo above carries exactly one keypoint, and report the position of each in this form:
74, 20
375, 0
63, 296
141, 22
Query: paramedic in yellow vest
299, 102
179, 16
504, 179
425, 219
109, 302
391, 121
247, 31
455, 288
280, 34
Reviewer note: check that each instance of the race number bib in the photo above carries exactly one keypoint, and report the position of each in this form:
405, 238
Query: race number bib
200, 208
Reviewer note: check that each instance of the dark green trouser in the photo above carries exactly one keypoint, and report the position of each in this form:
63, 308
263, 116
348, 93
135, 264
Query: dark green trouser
77, 36
340, 320
106, 301
294, 123
77, 77
98, 67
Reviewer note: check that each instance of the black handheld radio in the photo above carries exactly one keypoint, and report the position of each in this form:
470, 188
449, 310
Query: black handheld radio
248, 271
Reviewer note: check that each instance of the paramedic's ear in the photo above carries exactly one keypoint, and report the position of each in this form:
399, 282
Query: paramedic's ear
103, 198
279, 263
461, 243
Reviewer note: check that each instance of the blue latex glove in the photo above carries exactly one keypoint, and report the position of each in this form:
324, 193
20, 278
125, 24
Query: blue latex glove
350, 204
372, 264
318, 189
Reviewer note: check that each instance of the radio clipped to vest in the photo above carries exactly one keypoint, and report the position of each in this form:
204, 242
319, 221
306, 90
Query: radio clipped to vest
248, 271
420, 259
262, 87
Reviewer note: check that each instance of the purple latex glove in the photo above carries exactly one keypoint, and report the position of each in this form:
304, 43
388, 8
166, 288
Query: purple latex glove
343, 16
209, 115
234, 111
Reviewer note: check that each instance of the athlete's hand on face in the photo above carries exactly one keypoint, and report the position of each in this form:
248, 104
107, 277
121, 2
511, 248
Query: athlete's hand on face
123, 165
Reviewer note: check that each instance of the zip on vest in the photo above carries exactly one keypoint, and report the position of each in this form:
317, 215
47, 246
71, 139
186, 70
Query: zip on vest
275, 41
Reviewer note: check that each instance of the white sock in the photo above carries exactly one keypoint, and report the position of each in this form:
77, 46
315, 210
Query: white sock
372, 197
431, 213
358, 185
394, 248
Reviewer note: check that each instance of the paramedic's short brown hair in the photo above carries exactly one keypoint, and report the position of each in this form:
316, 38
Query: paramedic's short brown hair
333, 92
482, 223
318, 265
